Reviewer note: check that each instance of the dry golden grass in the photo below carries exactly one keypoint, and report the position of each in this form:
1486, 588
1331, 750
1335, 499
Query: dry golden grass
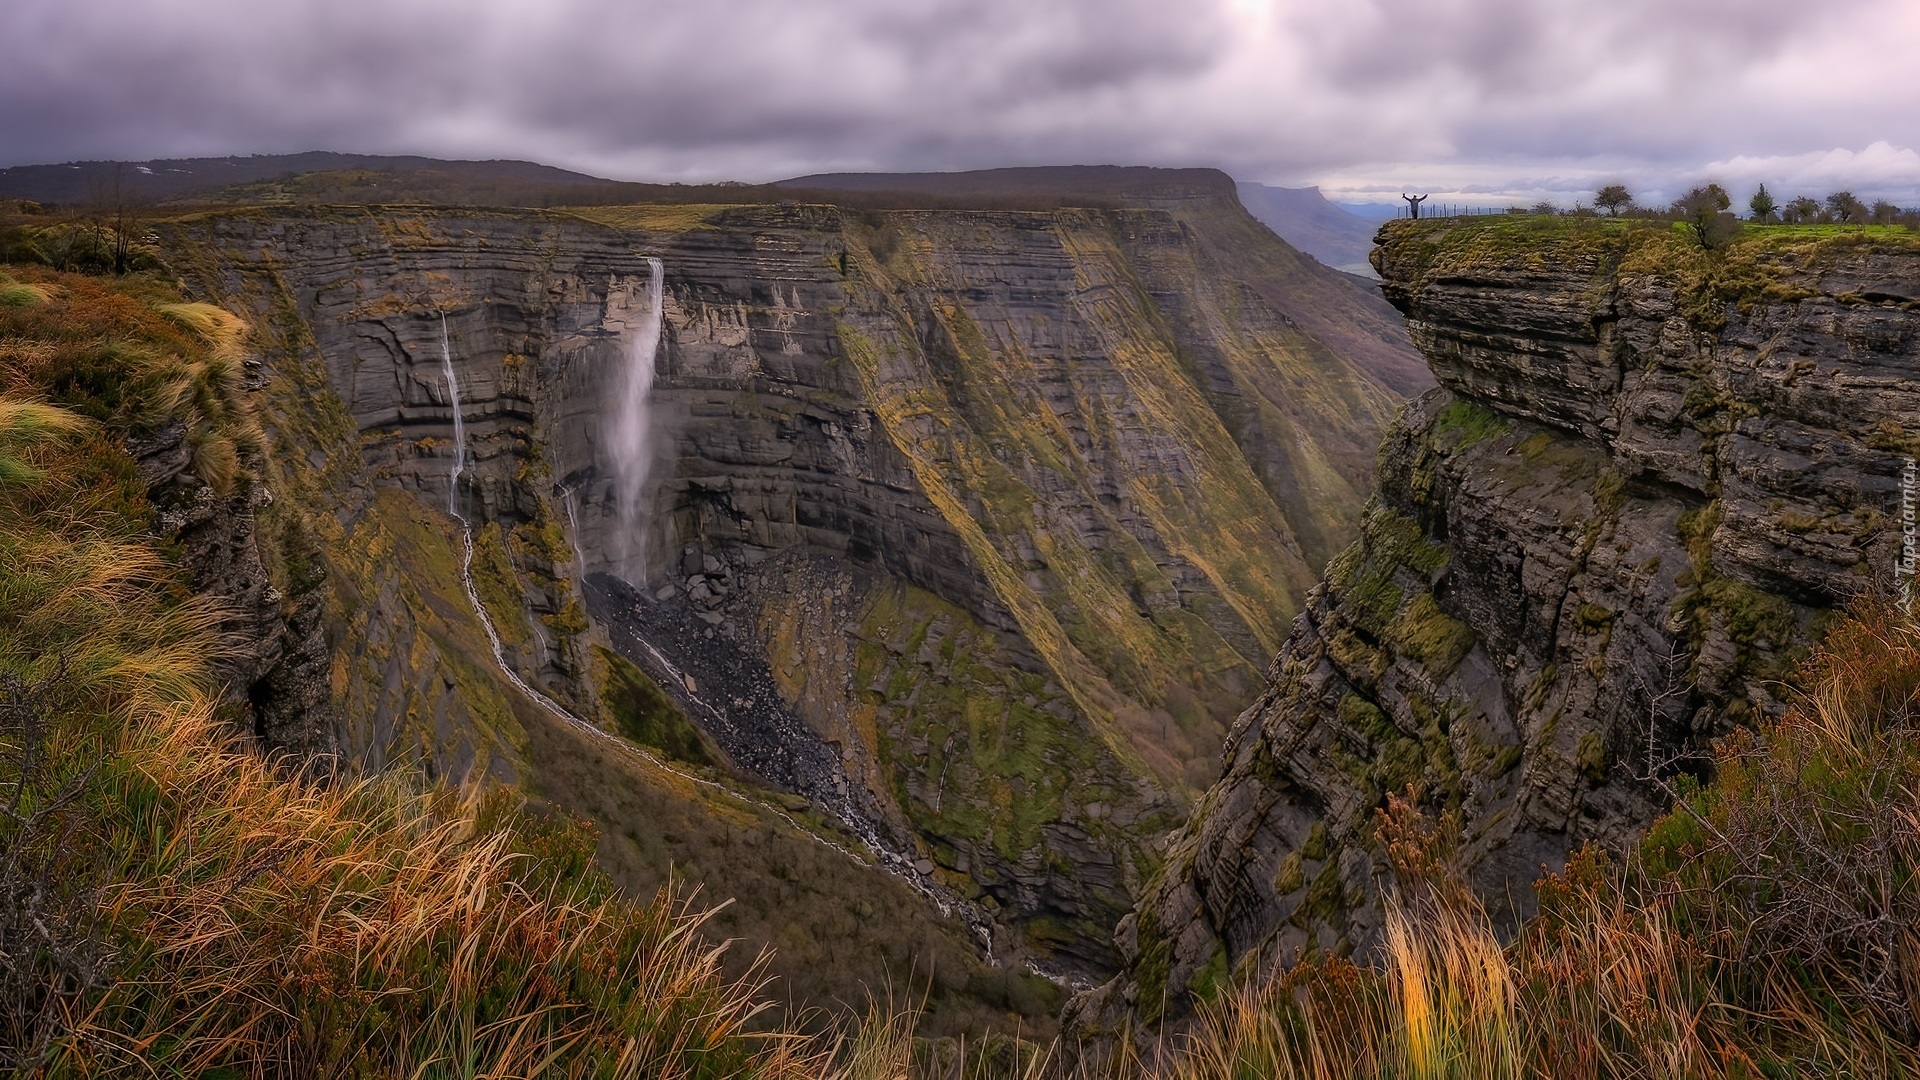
882, 1046
654, 218
1769, 926
264, 924
129, 354
224, 332
173, 904
275, 927
24, 424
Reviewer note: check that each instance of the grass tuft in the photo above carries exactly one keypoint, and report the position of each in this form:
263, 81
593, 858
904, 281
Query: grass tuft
15, 294
223, 331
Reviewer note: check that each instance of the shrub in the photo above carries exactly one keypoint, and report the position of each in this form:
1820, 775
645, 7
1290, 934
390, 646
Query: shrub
1704, 211
1844, 209
1801, 211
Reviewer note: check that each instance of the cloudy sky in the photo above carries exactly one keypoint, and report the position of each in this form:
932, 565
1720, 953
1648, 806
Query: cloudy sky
1474, 100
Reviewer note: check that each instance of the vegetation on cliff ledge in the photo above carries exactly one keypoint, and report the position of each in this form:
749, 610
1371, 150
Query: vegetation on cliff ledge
1756, 263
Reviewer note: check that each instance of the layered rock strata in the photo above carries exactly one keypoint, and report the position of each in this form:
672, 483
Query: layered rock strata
1648, 472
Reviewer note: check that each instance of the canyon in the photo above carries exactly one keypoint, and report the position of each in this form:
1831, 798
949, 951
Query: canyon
967, 534
888, 576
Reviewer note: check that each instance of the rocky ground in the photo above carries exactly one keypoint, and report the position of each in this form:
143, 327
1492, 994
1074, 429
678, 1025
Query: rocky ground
684, 636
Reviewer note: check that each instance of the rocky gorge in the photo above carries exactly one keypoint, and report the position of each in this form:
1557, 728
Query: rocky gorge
980, 523
1648, 475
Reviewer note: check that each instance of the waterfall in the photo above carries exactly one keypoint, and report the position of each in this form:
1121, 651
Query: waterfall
631, 460
630, 440
633, 410
459, 423
573, 537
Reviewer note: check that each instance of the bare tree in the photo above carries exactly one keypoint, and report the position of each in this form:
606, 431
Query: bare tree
112, 215
1667, 706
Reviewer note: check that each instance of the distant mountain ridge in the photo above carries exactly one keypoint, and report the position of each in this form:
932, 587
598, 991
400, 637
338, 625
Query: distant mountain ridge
162, 179
1304, 218
324, 177
172, 178
1096, 180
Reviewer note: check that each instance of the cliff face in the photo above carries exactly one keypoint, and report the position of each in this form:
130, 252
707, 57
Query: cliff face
1003, 510
276, 669
1599, 544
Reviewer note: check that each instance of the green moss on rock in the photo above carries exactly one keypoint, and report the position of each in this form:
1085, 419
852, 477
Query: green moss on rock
641, 711
1465, 423
1431, 636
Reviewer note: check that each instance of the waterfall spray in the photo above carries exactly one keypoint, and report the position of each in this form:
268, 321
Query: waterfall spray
631, 435
459, 423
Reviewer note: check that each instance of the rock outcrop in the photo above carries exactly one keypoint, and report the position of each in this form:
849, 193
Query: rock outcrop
1008, 507
276, 662
1603, 541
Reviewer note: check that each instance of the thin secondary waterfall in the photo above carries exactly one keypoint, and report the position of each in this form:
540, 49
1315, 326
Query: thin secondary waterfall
573, 537
459, 422
630, 436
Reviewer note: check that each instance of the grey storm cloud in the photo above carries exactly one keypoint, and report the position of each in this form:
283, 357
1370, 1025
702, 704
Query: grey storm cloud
1505, 47
1510, 96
